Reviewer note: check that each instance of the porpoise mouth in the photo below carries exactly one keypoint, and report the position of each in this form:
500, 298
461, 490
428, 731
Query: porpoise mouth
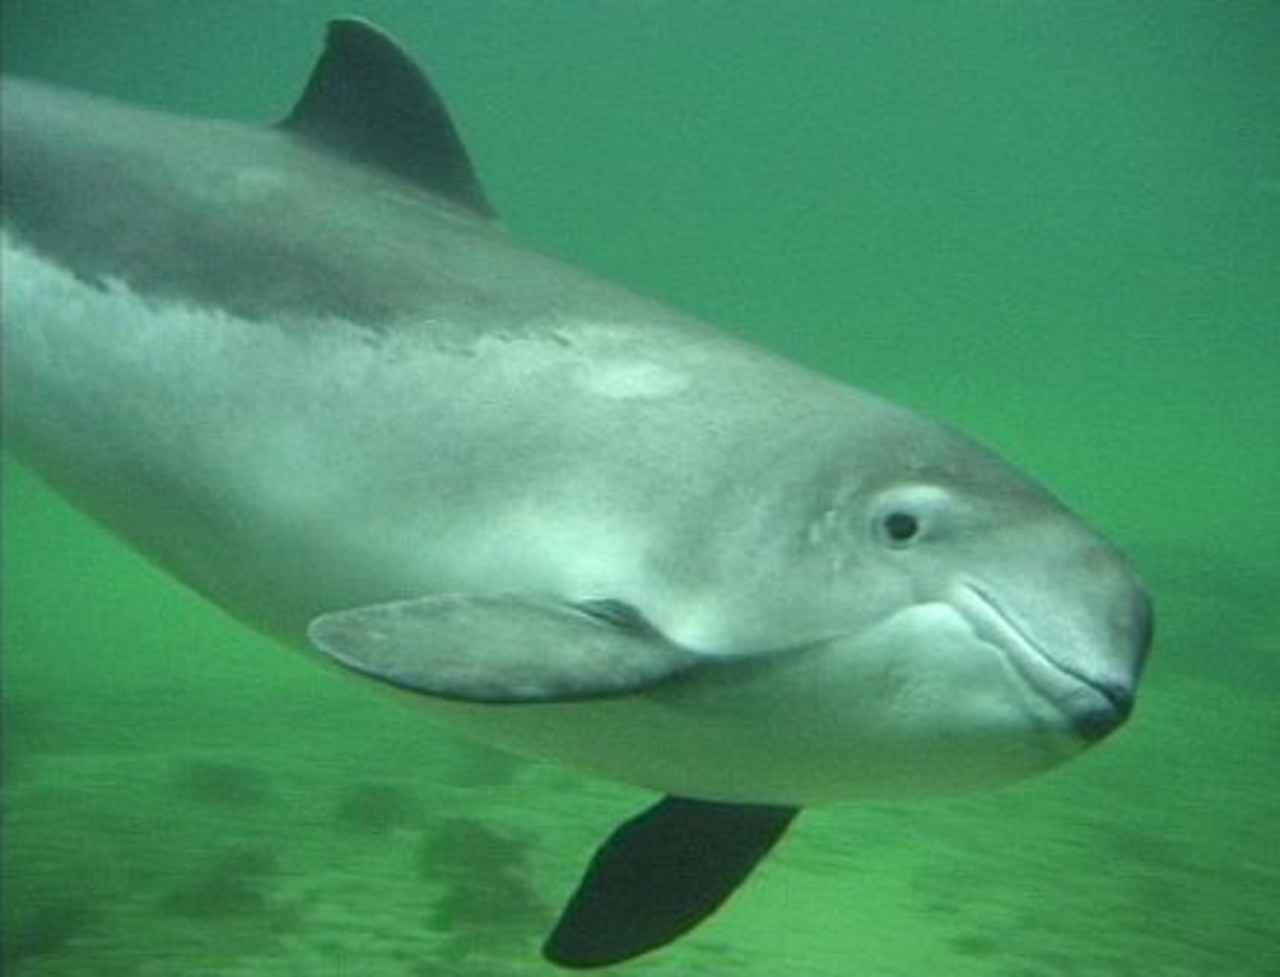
1095, 707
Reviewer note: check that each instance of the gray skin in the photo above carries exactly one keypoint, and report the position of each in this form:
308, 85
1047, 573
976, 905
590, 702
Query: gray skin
304, 370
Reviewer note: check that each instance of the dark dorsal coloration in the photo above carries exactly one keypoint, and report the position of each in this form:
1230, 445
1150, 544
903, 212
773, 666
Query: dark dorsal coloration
367, 99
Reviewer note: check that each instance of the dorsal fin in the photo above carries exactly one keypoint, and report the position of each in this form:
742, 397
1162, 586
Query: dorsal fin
368, 100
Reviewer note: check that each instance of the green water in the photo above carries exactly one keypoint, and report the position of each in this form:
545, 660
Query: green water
1055, 225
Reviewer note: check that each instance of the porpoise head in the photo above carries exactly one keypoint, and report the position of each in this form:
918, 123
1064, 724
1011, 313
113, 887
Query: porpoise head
952, 606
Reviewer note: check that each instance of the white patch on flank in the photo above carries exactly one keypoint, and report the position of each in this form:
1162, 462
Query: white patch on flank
632, 380
253, 183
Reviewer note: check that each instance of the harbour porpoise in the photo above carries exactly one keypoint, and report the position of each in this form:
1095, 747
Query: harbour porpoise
304, 369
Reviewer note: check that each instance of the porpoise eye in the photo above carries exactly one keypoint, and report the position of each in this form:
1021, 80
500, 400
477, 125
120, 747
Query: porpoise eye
900, 528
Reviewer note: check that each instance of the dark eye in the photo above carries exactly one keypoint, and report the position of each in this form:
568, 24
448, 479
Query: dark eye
901, 527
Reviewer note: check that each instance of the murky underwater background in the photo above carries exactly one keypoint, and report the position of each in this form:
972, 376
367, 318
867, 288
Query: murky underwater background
1055, 225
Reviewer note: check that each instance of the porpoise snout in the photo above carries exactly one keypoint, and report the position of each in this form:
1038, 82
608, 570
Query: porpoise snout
1135, 626
1104, 713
